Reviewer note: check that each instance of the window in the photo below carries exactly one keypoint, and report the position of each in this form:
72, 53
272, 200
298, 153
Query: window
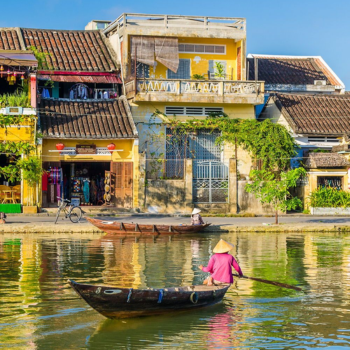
192, 111
183, 72
327, 139
200, 48
330, 181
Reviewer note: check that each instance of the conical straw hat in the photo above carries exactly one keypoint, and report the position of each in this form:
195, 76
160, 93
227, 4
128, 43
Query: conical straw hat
223, 247
196, 211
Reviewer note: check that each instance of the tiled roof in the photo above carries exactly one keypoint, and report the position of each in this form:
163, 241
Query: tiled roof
294, 70
9, 39
315, 114
95, 119
72, 50
326, 160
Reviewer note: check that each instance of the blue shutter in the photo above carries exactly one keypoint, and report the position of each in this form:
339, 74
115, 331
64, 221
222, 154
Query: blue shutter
183, 72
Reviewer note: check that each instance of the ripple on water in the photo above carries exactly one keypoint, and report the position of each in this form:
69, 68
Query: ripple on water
38, 309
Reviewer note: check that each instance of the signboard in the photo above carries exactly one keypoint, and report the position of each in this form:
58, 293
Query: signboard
85, 149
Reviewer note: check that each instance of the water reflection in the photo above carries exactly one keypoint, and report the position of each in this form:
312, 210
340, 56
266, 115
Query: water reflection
38, 310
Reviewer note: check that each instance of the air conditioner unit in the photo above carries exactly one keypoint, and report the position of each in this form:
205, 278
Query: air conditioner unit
320, 82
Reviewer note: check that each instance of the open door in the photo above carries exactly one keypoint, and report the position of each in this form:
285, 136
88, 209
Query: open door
122, 184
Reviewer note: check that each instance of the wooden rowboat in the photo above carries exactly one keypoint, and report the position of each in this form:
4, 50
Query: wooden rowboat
114, 302
117, 227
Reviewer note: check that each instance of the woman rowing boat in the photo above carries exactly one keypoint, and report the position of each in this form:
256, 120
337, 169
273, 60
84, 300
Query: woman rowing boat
220, 265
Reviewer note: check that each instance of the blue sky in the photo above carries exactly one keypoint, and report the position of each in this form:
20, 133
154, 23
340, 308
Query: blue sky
294, 27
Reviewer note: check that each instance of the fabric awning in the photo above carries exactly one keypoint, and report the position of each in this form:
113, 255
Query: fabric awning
147, 48
17, 58
100, 79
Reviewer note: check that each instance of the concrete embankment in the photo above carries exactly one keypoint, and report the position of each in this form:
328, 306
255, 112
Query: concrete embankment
38, 227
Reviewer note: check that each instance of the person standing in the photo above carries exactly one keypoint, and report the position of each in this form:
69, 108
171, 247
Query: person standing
220, 265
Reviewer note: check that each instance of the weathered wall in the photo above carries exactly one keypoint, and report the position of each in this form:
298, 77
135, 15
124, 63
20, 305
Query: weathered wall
248, 203
165, 196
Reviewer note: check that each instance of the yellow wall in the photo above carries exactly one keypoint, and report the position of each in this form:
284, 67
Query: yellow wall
126, 155
24, 132
201, 66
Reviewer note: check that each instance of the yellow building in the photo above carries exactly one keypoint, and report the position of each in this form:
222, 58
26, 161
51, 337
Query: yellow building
318, 123
90, 154
188, 67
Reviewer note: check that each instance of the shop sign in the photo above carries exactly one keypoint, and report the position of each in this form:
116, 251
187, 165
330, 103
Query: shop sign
85, 149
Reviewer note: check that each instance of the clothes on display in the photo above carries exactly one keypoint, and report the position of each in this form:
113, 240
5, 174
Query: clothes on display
45, 93
83, 92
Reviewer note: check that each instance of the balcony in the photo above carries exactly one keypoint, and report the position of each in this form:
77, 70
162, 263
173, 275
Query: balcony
195, 91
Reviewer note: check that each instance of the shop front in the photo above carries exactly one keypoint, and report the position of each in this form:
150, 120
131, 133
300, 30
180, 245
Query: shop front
97, 170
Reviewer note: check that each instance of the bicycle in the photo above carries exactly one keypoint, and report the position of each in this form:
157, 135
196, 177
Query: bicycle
74, 213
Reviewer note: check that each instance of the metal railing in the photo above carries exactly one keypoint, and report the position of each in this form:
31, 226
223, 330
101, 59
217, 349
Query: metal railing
182, 86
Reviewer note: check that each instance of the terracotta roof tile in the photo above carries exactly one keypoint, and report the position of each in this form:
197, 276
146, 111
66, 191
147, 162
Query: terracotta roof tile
292, 70
101, 119
326, 160
9, 39
72, 50
315, 114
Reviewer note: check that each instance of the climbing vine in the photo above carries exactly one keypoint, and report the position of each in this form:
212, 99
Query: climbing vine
269, 144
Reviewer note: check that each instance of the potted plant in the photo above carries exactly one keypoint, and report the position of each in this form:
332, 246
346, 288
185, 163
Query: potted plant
219, 70
198, 77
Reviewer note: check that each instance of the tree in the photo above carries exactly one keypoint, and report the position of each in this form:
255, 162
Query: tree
273, 188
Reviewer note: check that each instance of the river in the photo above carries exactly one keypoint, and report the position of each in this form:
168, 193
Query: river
39, 310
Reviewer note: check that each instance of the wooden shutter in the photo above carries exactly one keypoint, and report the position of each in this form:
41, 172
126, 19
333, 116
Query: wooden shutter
239, 63
122, 189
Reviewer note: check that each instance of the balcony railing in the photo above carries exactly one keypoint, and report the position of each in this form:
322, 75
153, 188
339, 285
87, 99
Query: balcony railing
216, 87
178, 21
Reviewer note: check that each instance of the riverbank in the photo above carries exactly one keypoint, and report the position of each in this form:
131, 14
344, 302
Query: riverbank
290, 223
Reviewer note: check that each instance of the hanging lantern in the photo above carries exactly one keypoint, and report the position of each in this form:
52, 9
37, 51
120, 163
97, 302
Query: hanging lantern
1, 70
60, 147
111, 147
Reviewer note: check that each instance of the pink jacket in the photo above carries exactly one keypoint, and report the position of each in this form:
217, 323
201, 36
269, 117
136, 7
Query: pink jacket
220, 267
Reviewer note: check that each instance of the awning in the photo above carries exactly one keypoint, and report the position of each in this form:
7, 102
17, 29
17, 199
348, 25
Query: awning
17, 58
108, 79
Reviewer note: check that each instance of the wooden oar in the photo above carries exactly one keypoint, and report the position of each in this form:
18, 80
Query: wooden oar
278, 284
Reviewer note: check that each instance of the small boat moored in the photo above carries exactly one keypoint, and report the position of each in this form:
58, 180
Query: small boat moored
114, 302
118, 227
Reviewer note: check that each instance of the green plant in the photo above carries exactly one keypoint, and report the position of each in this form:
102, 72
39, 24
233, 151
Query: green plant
329, 197
274, 190
41, 57
17, 99
219, 70
269, 144
31, 173
198, 76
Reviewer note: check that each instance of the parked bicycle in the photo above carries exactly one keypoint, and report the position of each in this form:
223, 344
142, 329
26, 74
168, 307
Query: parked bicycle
74, 213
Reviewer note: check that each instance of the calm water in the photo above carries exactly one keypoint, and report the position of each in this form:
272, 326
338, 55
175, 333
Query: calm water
38, 310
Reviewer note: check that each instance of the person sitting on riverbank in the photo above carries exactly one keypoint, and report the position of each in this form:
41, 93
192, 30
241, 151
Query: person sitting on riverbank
196, 219
220, 265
